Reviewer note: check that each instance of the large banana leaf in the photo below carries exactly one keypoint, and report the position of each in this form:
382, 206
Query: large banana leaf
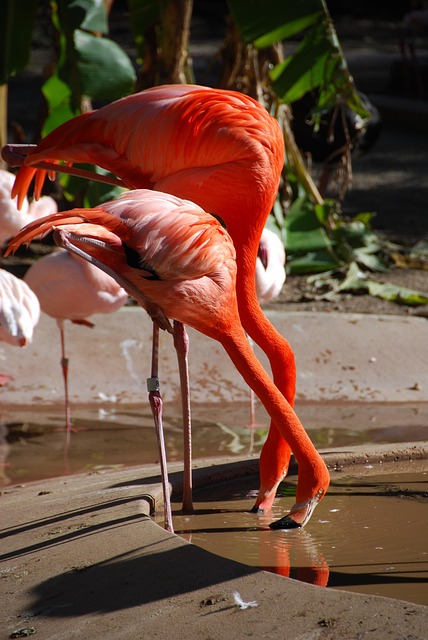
88, 66
318, 62
266, 23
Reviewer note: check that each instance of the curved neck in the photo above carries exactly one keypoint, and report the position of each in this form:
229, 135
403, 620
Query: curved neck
238, 348
261, 330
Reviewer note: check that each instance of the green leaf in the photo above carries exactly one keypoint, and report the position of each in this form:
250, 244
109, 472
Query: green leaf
312, 262
394, 293
325, 211
365, 217
313, 63
277, 214
88, 65
357, 282
303, 232
105, 70
57, 96
94, 193
99, 192
275, 20
356, 234
420, 249
368, 259
87, 14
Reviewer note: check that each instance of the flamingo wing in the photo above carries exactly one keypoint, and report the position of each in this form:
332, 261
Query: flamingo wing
163, 251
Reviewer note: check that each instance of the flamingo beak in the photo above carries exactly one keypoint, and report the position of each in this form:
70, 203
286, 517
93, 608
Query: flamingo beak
299, 515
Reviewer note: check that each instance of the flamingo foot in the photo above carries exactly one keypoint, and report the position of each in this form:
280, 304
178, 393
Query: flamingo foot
299, 515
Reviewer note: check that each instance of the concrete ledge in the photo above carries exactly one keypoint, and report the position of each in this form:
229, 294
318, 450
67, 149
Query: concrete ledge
340, 357
81, 559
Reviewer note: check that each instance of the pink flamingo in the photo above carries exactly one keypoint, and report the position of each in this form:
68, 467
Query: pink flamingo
270, 267
218, 148
69, 288
179, 263
19, 313
270, 278
13, 219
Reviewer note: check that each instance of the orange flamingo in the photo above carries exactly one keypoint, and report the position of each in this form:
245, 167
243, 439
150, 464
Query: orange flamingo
69, 288
222, 150
179, 263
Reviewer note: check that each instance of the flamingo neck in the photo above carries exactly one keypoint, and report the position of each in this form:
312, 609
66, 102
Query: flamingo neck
239, 350
261, 330
313, 474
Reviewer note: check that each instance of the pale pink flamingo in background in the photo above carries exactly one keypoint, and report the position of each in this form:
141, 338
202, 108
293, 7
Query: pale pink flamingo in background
19, 313
19, 307
69, 288
270, 278
13, 219
218, 148
270, 267
179, 263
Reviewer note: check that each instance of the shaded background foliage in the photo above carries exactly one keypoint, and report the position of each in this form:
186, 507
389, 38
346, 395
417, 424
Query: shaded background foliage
281, 55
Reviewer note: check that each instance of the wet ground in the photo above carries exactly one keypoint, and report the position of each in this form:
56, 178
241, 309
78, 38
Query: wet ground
81, 558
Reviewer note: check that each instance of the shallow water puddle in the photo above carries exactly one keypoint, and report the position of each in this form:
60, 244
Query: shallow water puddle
113, 435
368, 535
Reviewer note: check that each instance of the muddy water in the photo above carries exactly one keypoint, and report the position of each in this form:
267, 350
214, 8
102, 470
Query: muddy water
369, 534
113, 435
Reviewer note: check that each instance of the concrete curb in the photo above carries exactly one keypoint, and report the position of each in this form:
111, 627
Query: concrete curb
340, 357
81, 558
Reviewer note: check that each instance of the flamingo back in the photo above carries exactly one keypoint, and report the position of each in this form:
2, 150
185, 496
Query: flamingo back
187, 140
167, 252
